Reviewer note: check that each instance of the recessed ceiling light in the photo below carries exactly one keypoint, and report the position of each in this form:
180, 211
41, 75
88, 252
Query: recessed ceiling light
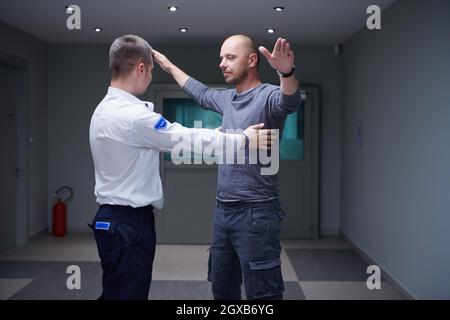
270, 30
278, 9
97, 29
172, 8
183, 29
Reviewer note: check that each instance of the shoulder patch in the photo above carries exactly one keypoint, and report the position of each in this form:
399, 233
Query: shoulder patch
160, 124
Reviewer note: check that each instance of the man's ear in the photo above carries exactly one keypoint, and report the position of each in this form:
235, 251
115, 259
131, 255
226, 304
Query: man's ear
253, 59
141, 67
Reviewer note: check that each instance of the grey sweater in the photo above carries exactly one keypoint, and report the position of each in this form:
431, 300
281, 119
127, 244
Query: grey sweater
262, 104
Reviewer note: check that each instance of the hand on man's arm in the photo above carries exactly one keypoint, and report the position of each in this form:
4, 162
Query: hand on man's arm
258, 138
151, 130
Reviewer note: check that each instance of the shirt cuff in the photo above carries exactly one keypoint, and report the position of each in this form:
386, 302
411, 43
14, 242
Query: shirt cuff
291, 100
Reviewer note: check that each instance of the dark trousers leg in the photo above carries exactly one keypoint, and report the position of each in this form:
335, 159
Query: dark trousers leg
224, 271
254, 233
126, 251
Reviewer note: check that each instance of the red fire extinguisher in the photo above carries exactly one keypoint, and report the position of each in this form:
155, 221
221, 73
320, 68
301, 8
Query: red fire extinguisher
60, 210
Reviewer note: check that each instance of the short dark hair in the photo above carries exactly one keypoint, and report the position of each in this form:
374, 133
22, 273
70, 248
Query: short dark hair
127, 51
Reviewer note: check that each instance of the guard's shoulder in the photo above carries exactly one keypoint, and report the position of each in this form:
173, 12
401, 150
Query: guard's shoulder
131, 109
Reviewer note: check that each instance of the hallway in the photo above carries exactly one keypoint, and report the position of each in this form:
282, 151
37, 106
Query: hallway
363, 166
312, 269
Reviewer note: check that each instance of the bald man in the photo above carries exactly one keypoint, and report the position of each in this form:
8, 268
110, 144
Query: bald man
247, 216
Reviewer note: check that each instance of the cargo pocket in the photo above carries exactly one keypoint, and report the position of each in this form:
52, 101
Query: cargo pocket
265, 221
108, 243
265, 279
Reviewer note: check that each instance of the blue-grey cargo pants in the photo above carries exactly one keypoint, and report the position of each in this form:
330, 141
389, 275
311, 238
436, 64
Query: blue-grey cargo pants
246, 242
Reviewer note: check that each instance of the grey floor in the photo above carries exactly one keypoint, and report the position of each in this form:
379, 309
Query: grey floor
315, 270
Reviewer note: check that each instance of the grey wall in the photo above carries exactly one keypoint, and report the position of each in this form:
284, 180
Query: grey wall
34, 52
395, 188
78, 79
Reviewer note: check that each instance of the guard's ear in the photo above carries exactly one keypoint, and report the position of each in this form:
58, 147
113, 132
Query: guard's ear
141, 67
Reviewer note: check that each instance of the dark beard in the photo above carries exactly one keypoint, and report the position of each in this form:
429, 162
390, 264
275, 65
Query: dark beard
238, 80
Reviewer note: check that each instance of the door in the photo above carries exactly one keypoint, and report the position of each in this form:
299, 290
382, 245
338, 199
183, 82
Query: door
189, 190
298, 177
8, 159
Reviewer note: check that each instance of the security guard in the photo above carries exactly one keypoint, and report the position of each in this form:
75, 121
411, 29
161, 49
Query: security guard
126, 136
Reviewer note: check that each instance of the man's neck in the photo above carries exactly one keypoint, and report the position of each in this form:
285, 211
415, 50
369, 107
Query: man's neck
248, 83
123, 86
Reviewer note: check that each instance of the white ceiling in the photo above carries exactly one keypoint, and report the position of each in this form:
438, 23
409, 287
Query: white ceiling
209, 21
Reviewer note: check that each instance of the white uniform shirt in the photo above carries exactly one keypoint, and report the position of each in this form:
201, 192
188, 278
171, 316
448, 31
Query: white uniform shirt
126, 136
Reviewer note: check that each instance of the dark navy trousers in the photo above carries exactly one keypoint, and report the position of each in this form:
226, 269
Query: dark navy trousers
246, 242
126, 243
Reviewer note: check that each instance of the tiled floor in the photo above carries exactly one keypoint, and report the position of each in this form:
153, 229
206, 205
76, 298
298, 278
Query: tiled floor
321, 269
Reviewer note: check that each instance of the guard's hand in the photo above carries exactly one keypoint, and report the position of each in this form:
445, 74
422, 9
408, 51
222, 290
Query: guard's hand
281, 58
259, 138
162, 60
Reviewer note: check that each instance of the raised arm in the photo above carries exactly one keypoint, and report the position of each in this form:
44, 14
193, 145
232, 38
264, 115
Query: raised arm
282, 60
179, 75
151, 130
210, 99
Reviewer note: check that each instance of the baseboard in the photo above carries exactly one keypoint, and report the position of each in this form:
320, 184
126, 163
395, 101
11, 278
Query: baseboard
388, 277
71, 230
329, 232
37, 235
79, 230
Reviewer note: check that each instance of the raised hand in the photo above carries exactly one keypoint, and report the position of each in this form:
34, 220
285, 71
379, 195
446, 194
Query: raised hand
281, 58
